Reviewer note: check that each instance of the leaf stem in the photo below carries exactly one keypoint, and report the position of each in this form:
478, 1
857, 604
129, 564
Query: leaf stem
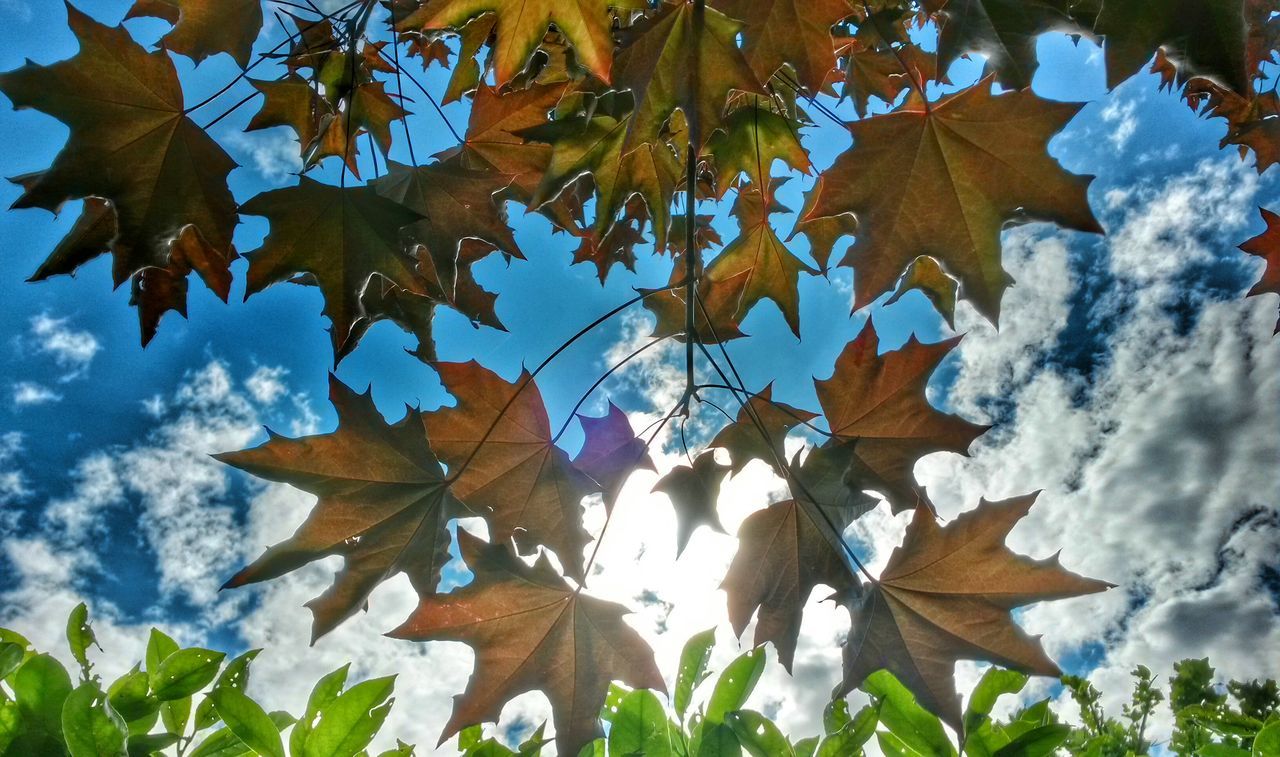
453, 475
574, 412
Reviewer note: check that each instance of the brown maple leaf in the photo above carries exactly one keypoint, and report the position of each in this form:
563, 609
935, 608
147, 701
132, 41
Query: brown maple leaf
1204, 37
662, 59
946, 595
798, 32
1267, 246
926, 276
450, 280
492, 143
531, 631
693, 491
1003, 31
876, 404
755, 266
131, 143
456, 203
340, 235
293, 102
943, 179
202, 28
745, 441
498, 446
784, 552
383, 505
154, 291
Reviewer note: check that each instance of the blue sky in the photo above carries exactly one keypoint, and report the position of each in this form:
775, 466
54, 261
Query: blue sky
1129, 381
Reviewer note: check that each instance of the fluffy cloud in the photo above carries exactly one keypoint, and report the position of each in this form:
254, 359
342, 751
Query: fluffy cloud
30, 393
73, 350
1157, 457
13, 480
273, 154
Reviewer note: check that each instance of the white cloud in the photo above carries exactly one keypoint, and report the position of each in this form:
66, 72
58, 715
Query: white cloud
1122, 116
1159, 468
13, 481
273, 154
29, 393
72, 350
266, 385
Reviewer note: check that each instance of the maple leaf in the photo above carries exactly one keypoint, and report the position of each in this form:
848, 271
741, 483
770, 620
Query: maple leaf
826, 479
693, 491
611, 452
467, 74
521, 25
755, 266
753, 138
89, 237
1267, 246
617, 245
315, 42
202, 28
413, 313
884, 73
946, 595
383, 505
822, 233
925, 275
292, 102
720, 300
341, 236
455, 203
798, 32
130, 143
498, 446
878, 402
705, 235
745, 441
1204, 37
446, 279
532, 631
592, 145
943, 179
685, 58
492, 141
1003, 31
784, 552
366, 108
449, 280
155, 291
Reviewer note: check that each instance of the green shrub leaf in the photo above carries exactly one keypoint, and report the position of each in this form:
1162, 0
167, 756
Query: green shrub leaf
185, 672
735, 685
693, 668
758, 734
248, 721
641, 726
349, 722
91, 729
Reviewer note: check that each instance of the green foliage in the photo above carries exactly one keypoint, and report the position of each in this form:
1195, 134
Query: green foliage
1243, 722
149, 711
